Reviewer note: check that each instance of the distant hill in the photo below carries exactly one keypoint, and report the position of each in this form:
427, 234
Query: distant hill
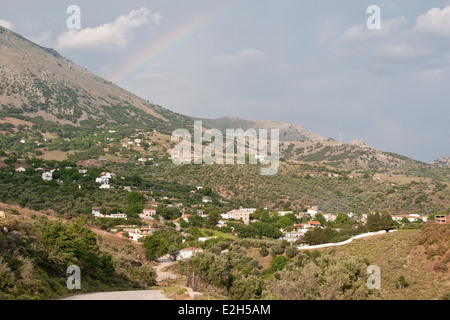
38, 82
288, 132
443, 162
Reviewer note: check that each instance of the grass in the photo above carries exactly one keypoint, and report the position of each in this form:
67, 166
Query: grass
399, 254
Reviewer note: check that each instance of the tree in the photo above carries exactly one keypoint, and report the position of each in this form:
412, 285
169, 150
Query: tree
291, 252
173, 251
386, 222
263, 251
373, 222
319, 217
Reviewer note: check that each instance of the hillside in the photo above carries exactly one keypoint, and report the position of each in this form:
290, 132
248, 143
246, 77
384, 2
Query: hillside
288, 132
411, 254
38, 82
37, 249
52, 109
443, 162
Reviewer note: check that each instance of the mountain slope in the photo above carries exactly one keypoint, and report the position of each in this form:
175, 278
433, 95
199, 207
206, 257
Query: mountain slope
288, 132
443, 162
38, 82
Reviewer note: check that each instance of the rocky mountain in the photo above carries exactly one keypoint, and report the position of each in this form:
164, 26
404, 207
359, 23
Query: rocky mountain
288, 132
443, 162
38, 82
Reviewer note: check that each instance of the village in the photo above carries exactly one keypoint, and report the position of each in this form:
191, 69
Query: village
312, 218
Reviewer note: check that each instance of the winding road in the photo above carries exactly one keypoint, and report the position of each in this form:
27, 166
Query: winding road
161, 275
122, 295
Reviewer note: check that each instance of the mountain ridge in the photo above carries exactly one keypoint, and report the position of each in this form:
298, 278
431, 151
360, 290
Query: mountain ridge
39, 82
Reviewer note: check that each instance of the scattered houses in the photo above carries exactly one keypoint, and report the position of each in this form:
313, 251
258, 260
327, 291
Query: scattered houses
410, 217
104, 179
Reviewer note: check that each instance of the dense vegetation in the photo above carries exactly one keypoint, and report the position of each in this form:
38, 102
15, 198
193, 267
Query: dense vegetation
36, 252
308, 276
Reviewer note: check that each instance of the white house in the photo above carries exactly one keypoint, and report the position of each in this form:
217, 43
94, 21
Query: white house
206, 199
410, 217
108, 175
47, 176
140, 233
187, 253
147, 214
203, 239
283, 213
292, 236
221, 224
329, 216
240, 214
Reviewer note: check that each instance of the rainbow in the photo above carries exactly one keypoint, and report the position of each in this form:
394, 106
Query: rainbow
161, 46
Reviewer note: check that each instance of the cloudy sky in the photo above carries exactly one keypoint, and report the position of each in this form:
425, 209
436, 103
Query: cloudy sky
313, 63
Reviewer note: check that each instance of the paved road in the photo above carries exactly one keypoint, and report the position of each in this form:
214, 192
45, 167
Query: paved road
161, 275
122, 295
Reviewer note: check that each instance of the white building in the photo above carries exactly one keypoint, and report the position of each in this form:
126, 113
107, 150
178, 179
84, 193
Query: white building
206, 199
283, 213
240, 214
329, 216
292, 236
410, 217
147, 214
47, 176
187, 253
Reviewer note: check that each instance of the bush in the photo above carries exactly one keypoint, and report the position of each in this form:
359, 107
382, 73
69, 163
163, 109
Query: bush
263, 251
401, 283
291, 252
440, 267
446, 295
275, 250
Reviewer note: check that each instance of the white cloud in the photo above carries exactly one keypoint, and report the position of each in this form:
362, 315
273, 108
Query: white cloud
113, 35
45, 39
402, 52
6, 24
243, 56
360, 33
434, 21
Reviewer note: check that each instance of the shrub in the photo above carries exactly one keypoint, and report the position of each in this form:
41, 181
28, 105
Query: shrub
275, 250
440, 267
263, 251
291, 252
401, 282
